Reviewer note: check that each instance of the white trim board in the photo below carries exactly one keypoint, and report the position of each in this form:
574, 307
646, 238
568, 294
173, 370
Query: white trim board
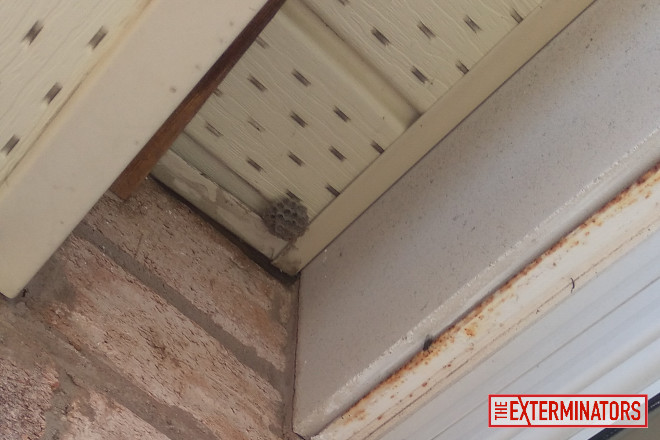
105, 123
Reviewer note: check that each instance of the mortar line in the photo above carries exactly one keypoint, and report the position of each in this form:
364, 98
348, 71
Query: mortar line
244, 354
66, 394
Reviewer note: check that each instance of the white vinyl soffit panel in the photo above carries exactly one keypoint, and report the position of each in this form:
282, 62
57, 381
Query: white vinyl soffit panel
325, 92
84, 85
48, 47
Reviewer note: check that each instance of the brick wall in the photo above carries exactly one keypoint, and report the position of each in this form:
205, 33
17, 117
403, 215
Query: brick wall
147, 324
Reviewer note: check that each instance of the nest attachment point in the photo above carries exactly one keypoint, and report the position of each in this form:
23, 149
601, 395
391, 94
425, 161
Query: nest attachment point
287, 218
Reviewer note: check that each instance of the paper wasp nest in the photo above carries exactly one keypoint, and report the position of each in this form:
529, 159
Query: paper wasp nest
287, 218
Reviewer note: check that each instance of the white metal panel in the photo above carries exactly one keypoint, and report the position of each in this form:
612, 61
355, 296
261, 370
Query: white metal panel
422, 47
46, 49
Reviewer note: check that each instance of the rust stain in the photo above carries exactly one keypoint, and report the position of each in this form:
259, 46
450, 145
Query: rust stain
468, 324
359, 414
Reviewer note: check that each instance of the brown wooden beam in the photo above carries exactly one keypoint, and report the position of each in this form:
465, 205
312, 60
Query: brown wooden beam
160, 142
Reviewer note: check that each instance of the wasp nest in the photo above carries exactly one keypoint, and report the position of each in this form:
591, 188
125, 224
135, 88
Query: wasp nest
287, 218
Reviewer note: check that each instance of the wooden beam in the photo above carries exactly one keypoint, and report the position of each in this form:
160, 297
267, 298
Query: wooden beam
160, 142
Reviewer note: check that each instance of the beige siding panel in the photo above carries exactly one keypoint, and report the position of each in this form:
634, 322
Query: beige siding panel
112, 113
337, 99
419, 45
253, 150
210, 166
46, 49
300, 113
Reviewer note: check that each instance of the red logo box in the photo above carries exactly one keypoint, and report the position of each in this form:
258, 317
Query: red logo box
568, 410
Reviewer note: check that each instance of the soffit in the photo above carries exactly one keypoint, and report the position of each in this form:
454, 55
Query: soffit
336, 100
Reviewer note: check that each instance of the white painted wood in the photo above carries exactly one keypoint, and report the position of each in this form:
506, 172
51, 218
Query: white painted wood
220, 205
300, 66
430, 36
492, 70
575, 339
105, 122
49, 47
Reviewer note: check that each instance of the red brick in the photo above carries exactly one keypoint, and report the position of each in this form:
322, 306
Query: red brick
200, 263
111, 314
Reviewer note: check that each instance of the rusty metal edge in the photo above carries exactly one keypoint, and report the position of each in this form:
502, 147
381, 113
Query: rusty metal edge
616, 228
